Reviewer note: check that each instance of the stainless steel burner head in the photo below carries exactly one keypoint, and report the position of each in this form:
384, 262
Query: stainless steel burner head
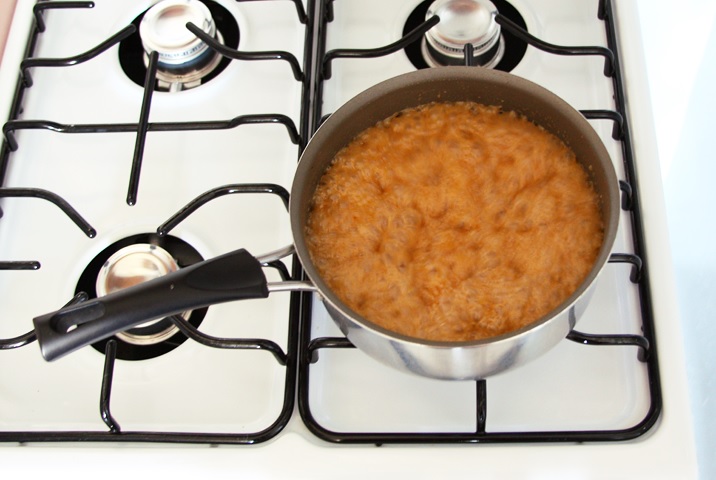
133, 265
184, 59
463, 22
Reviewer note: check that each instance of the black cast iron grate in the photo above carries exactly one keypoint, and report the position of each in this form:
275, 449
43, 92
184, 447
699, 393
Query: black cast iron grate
639, 274
288, 358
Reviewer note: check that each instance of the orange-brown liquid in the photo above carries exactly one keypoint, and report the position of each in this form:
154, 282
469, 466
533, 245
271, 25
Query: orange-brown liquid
453, 222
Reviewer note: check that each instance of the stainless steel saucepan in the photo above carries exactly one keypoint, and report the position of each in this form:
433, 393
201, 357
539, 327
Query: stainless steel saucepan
238, 275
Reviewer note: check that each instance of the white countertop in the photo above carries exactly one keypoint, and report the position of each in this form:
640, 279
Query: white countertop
681, 81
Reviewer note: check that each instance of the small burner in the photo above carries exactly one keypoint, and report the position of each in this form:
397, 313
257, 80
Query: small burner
184, 61
131, 261
463, 22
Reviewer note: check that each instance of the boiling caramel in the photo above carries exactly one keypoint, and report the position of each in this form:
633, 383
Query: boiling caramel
453, 222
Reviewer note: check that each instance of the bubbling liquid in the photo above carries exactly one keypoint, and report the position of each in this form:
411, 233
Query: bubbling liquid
454, 222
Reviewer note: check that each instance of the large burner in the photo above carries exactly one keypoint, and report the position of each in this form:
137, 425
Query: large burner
131, 261
132, 265
466, 23
184, 60
463, 22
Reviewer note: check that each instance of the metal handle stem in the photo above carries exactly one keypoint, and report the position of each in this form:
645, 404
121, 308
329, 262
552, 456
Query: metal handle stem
276, 255
293, 286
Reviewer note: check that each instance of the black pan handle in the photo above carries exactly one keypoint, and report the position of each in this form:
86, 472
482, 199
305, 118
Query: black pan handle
233, 276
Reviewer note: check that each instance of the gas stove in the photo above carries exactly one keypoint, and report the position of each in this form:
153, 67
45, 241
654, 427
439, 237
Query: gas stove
191, 153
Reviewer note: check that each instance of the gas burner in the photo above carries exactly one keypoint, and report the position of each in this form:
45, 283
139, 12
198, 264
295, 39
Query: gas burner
464, 22
132, 265
131, 261
184, 61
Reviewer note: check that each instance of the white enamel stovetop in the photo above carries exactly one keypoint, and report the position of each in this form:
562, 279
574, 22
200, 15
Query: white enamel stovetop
667, 452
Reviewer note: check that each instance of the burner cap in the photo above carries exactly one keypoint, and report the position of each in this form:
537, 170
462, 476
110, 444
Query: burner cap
184, 59
463, 22
132, 260
131, 266
163, 30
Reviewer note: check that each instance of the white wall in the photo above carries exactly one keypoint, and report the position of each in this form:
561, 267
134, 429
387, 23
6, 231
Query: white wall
680, 53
